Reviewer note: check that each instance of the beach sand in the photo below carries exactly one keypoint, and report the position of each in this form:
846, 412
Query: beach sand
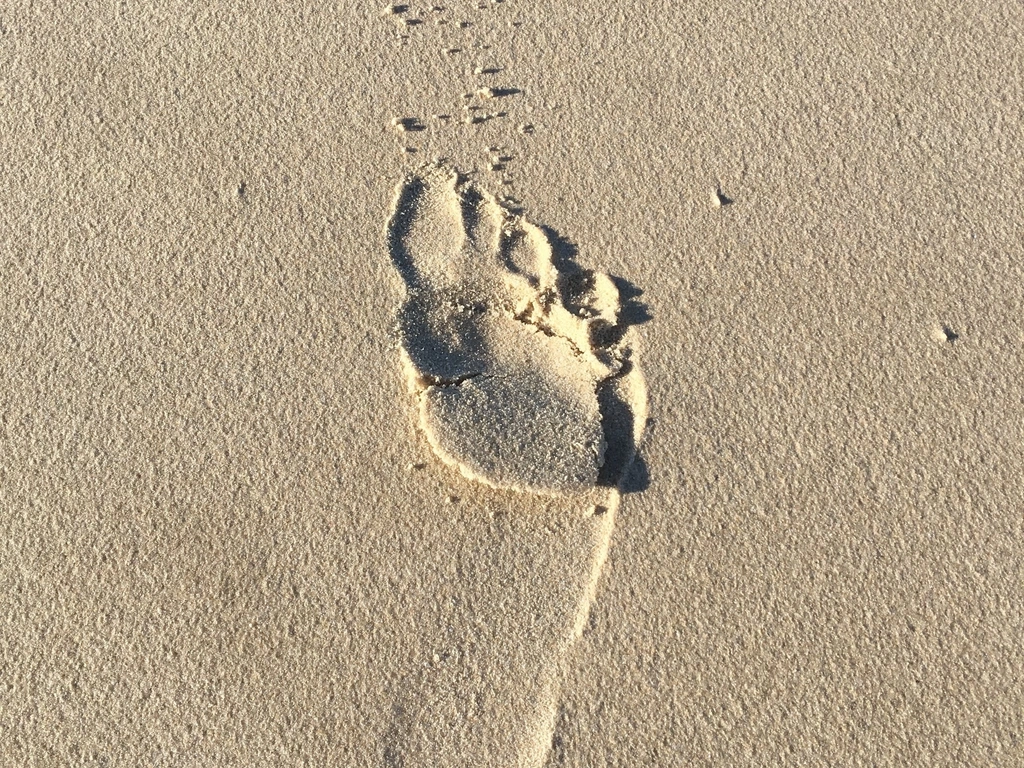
238, 530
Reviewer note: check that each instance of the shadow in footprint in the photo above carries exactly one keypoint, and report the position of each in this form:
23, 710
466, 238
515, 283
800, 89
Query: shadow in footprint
632, 311
623, 466
400, 255
637, 477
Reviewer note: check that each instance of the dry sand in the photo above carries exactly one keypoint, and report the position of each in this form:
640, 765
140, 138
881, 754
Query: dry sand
226, 538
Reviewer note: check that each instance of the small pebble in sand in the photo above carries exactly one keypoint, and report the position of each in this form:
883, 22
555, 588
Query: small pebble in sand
719, 199
526, 129
485, 93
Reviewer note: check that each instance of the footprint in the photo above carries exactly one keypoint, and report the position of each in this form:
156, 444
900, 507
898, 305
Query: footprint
518, 367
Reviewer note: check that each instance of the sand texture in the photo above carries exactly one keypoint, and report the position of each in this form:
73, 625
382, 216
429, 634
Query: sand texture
516, 384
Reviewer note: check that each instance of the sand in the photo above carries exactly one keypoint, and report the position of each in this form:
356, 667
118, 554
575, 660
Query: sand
232, 536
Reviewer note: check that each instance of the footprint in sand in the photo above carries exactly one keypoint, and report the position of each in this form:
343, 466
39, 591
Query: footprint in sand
521, 370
